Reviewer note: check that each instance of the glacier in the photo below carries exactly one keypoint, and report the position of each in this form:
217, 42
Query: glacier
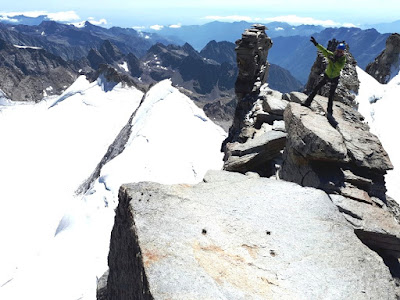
55, 241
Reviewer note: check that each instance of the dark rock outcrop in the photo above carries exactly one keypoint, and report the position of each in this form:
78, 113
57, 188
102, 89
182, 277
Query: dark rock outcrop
348, 84
387, 64
110, 52
255, 139
95, 59
279, 78
252, 51
30, 73
134, 65
220, 52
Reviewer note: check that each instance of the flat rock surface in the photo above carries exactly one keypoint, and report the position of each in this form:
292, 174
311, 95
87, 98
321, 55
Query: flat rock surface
238, 237
312, 136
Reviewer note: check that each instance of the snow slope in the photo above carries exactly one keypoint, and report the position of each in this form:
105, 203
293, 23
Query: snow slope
380, 105
55, 243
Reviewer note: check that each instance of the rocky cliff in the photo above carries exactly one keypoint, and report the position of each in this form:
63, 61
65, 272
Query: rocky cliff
387, 64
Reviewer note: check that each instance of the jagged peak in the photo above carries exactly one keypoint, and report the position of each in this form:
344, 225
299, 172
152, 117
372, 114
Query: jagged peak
108, 77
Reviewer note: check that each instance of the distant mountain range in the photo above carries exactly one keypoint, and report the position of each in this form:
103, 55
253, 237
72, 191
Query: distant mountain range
199, 35
297, 54
45, 59
392, 27
291, 50
70, 42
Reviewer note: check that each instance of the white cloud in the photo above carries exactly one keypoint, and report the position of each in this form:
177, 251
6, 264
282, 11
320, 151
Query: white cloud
349, 25
157, 27
175, 26
62, 16
296, 20
139, 28
6, 18
98, 23
230, 18
279, 29
31, 14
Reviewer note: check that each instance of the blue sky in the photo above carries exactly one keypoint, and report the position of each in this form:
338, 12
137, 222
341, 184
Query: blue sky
167, 12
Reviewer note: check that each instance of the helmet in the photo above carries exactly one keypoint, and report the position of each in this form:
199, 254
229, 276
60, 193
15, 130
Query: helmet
341, 46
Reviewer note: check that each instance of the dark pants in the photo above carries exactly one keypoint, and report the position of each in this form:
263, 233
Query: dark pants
334, 83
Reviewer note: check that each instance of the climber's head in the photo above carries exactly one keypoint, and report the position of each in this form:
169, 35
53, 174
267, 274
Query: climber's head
340, 49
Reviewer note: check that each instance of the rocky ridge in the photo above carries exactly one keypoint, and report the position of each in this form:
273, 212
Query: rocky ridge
346, 161
330, 233
387, 64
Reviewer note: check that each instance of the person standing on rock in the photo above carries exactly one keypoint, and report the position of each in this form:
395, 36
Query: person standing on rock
336, 62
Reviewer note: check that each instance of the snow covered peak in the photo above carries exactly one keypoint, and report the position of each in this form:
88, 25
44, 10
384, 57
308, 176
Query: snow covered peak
171, 141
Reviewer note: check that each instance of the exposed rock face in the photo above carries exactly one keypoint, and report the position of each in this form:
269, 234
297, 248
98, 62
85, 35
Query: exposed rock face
112, 77
95, 58
255, 139
278, 79
251, 56
387, 64
348, 84
348, 161
134, 65
106, 54
27, 74
251, 241
313, 141
252, 52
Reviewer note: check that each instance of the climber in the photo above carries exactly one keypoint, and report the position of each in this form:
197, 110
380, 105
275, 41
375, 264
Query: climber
336, 62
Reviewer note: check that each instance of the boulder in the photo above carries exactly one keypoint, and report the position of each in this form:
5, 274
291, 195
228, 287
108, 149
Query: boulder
273, 102
312, 136
255, 154
347, 159
238, 237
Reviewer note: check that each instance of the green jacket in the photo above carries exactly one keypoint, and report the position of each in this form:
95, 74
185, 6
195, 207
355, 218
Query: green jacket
334, 67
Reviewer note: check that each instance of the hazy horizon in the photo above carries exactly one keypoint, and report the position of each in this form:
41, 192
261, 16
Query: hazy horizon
176, 12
